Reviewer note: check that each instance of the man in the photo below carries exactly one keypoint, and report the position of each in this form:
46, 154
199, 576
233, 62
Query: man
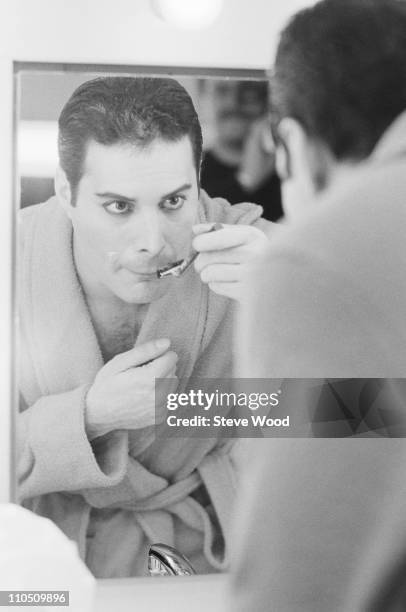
323, 521
98, 326
240, 164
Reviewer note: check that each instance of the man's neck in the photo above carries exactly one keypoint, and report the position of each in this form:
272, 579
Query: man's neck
92, 288
116, 323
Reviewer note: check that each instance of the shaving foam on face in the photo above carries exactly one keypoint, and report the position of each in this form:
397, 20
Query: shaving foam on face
113, 258
128, 256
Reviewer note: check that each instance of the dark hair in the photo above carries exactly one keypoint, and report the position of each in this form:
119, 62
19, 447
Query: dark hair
340, 71
111, 110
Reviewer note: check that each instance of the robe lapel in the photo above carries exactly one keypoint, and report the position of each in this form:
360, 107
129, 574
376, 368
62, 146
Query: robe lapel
180, 316
60, 336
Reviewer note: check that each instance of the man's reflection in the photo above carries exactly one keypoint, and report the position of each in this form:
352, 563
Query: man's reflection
97, 327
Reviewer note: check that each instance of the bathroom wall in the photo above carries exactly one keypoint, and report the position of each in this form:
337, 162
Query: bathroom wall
127, 31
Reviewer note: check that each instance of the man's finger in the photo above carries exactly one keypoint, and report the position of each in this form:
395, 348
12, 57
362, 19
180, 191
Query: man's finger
203, 228
162, 366
229, 236
226, 289
227, 256
141, 354
222, 273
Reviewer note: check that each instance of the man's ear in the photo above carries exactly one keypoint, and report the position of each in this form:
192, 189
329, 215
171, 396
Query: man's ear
299, 154
199, 177
63, 191
291, 152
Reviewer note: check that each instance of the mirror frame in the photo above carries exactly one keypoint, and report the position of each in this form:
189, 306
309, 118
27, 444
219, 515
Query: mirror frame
7, 290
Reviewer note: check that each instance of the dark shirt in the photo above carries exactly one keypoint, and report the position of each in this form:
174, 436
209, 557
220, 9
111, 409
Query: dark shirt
220, 180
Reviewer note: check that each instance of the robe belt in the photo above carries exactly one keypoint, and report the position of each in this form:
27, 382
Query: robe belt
172, 494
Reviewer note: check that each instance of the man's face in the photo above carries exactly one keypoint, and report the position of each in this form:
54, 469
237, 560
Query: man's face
134, 212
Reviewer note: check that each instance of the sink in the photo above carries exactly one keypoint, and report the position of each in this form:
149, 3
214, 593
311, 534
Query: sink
180, 593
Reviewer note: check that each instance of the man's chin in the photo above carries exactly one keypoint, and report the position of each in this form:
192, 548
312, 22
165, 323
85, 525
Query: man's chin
144, 293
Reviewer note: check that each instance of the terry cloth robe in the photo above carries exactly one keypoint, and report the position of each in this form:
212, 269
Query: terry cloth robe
122, 492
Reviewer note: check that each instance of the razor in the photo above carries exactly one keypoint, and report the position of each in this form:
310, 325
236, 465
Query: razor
177, 268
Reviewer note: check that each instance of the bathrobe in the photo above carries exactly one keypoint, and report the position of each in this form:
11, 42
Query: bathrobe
123, 491
322, 523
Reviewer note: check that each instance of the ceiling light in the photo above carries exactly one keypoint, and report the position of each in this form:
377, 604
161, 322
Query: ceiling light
188, 14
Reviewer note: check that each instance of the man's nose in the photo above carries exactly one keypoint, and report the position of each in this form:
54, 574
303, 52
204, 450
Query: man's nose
147, 234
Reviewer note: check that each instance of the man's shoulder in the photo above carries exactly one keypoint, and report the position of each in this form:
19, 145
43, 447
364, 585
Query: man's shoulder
35, 222
350, 247
362, 222
30, 214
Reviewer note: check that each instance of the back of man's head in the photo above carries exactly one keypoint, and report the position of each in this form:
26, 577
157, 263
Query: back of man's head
124, 110
340, 71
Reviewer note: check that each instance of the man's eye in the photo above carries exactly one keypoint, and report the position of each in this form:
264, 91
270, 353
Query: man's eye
174, 202
118, 207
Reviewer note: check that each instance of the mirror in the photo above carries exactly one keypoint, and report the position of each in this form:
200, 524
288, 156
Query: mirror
87, 457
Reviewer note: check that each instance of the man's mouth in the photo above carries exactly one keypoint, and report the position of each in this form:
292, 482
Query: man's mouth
160, 271
177, 268
147, 275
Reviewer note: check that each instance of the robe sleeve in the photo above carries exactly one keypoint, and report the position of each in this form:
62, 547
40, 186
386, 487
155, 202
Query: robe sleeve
54, 453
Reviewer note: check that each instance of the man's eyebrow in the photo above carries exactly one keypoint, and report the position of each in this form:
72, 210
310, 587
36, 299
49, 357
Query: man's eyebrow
184, 187
115, 196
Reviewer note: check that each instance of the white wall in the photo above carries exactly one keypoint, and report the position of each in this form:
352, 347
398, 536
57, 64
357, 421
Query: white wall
127, 31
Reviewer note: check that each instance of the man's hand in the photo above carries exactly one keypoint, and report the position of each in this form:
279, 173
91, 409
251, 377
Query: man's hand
258, 160
224, 255
123, 393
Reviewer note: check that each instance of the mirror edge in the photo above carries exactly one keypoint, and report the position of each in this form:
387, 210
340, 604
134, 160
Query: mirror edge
7, 275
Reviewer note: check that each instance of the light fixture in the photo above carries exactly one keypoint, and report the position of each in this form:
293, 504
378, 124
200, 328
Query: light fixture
188, 14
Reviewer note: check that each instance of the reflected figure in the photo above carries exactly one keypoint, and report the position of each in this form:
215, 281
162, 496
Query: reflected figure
240, 164
97, 327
